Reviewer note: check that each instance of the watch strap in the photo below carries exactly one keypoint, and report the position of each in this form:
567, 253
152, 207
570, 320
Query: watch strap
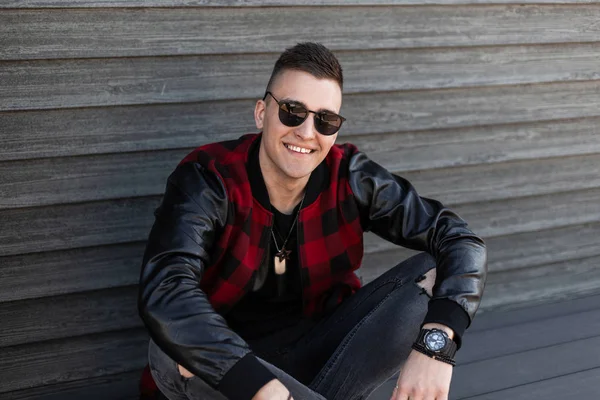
435, 356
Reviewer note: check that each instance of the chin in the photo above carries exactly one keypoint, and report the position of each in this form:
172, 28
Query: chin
297, 174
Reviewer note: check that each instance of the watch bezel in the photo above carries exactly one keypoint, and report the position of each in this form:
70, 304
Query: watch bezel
433, 331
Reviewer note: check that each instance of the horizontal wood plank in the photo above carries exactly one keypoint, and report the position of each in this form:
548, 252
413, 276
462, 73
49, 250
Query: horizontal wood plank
77, 270
71, 180
124, 81
76, 179
494, 182
529, 214
56, 361
48, 318
124, 386
517, 316
31, 230
127, 220
526, 367
73, 33
579, 385
506, 253
121, 129
530, 285
70, 271
527, 336
257, 3
541, 110
536, 285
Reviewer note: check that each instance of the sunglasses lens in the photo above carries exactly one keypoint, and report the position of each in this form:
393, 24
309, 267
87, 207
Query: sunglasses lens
292, 115
327, 124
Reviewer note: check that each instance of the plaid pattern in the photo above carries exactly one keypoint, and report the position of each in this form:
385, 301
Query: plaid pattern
330, 235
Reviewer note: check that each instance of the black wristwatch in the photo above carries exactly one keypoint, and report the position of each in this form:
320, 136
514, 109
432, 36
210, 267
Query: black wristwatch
436, 344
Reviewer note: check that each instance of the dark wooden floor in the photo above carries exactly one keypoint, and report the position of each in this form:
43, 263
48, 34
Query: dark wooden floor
549, 352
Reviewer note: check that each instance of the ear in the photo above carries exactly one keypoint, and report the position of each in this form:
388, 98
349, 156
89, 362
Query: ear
259, 114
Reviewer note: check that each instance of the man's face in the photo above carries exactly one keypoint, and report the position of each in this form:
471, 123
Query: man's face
316, 95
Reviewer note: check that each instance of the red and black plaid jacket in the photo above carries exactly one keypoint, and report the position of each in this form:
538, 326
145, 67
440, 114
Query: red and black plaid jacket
211, 235
330, 236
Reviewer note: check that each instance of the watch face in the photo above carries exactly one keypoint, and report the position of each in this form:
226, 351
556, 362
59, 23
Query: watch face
435, 340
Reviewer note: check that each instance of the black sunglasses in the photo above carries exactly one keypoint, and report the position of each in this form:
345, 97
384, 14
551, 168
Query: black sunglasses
294, 114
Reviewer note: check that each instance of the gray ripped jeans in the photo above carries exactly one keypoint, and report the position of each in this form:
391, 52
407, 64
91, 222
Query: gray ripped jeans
344, 356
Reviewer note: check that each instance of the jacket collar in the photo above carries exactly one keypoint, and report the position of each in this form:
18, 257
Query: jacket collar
317, 183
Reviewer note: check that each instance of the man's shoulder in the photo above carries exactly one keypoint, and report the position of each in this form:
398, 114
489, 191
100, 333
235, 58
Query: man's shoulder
343, 150
221, 153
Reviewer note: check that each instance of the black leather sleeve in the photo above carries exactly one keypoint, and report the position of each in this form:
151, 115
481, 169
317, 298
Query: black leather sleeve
175, 310
391, 208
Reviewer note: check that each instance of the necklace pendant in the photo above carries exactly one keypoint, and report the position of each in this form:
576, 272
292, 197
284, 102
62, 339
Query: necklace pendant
279, 261
279, 266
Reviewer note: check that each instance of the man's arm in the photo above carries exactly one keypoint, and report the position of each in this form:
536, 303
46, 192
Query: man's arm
175, 310
391, 208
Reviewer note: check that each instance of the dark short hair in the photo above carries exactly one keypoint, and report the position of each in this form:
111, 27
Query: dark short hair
313, 58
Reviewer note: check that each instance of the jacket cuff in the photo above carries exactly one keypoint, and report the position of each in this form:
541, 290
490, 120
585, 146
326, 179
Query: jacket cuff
449, 313
245, 378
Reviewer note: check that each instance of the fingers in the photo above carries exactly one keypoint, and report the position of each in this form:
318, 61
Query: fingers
394, 393
415, 394
184, 372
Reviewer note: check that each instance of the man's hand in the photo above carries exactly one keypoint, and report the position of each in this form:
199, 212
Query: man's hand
184, 372
423, 378
274, 390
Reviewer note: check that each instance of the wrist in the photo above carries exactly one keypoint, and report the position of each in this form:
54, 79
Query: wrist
433, 341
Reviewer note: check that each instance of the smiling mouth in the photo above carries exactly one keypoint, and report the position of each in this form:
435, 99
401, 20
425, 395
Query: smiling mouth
297, 149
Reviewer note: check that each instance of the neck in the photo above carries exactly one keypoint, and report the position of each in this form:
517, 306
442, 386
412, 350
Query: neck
284, 193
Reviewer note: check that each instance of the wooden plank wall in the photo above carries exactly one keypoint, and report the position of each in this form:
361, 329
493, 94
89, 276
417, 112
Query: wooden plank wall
490, 107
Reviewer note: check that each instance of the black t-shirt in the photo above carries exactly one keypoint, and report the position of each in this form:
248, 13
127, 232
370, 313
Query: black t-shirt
277, 304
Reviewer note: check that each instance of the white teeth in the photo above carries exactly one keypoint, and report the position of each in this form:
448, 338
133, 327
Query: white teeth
298, 149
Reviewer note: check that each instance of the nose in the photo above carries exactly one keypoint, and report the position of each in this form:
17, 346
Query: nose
307, 130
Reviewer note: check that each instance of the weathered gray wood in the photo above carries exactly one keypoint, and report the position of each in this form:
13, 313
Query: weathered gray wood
259, 3
529, 285
516, 316
75, 179
547, 283
120, 221
494, 182
531, 335
73, 33
70, 271
580, 385
124, 386
506, 253
40, 229
71, 359
134, 128
526, 367
530, 214
48, 318
100, 82
120, 129
444, 148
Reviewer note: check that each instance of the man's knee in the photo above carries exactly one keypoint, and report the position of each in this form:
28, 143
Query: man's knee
427, 281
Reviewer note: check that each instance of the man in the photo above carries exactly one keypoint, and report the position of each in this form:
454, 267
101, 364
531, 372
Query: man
248, 287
